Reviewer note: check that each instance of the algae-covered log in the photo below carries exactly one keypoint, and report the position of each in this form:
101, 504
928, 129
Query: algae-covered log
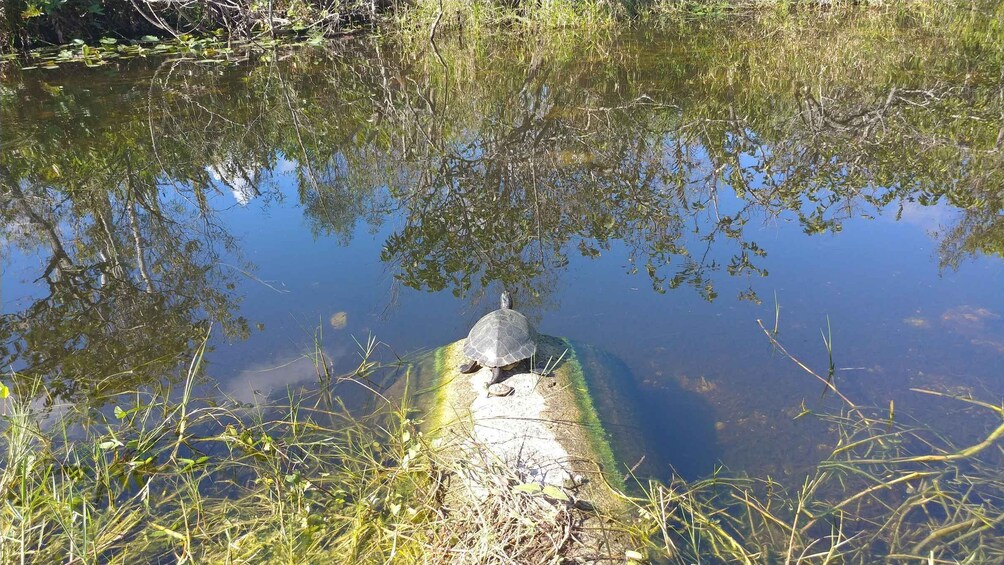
553, 430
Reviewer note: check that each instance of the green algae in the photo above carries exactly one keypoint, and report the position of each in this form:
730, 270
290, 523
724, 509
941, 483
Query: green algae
427, 388
432, 397
598, 436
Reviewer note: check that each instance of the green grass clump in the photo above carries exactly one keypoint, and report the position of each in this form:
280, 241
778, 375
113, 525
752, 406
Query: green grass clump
199, 482
890, 490
164, 476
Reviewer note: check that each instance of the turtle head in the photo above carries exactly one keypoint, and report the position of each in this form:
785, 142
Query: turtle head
506, 302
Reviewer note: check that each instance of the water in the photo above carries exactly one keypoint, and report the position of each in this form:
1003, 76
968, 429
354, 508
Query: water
652, 194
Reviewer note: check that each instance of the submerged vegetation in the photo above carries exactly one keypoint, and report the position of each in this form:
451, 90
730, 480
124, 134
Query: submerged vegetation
168, 477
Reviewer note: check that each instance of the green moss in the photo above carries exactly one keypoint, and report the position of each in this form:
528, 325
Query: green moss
430, 388
599, 439
439, 387
432, 380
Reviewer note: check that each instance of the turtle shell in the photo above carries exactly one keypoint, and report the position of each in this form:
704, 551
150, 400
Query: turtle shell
501, 338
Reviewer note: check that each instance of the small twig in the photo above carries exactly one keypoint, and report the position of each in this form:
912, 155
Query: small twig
254, 278
435, 24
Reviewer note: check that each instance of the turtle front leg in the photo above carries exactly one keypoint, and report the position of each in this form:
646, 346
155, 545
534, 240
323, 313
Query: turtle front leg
496, 376
469, 366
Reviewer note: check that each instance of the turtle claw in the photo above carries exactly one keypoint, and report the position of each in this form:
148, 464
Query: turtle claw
500, 389
469, 366
496, 376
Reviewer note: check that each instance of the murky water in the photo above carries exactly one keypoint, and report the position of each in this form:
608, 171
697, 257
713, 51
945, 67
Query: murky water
650, 194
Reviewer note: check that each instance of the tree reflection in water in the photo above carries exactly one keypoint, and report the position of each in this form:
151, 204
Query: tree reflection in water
497, 166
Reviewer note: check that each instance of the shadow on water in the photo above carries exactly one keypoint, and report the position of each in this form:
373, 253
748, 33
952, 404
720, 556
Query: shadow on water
657, 432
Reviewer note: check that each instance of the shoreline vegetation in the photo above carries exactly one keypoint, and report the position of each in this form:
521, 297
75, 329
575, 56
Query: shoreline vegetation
27, 25
168, 477
161, 475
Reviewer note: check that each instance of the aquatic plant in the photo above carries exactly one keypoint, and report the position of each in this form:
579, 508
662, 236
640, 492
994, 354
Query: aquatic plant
33, 23
890, 489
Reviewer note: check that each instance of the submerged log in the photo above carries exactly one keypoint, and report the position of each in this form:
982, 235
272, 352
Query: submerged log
550, 433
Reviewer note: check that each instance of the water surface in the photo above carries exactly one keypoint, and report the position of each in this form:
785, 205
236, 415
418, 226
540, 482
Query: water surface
652, 194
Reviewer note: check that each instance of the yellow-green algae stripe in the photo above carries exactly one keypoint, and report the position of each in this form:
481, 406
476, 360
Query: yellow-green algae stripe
441, 386
599, 438
432, 388
433, 398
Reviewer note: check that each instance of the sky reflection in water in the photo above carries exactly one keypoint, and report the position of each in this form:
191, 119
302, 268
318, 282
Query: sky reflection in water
623, 200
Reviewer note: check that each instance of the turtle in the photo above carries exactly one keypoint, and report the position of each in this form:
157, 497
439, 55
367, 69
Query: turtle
501, 339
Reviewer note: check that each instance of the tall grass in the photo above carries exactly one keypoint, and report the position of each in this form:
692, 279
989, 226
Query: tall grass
885, 493
26, 24
167, 477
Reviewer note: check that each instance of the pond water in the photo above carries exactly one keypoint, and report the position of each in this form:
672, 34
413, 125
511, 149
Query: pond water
652, 194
